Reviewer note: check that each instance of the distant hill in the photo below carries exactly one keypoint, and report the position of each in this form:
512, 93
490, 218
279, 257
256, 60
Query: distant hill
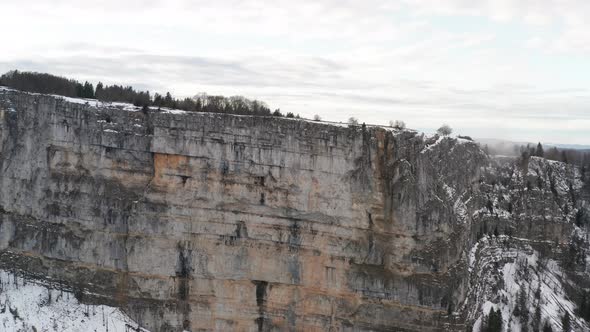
506, 143
570, 146
578, 154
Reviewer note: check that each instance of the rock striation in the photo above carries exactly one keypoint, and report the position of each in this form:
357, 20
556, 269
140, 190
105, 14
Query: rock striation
201, 222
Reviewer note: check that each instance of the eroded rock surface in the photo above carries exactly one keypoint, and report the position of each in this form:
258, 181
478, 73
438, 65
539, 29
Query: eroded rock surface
195, 221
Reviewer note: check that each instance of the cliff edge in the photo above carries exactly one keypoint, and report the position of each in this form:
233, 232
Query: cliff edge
206, 221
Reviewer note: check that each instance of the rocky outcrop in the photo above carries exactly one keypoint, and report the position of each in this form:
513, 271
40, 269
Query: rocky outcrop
531, 257
196, 221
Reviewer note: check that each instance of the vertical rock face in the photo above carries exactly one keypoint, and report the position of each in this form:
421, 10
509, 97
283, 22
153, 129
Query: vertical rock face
192, 221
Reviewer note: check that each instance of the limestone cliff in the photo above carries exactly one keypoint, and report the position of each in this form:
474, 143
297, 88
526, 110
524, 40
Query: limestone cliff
197, 221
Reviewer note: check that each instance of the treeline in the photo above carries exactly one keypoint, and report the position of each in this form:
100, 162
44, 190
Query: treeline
51, 84
492, 322
569, 156
46, 83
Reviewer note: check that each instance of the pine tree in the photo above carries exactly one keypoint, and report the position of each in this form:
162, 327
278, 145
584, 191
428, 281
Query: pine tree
566, 322
585, 306
99, 90
493, 321
168, 101
88, 90
547, 327
537, 319
582, 307
79, 90
524, 312
158, 101
539, 152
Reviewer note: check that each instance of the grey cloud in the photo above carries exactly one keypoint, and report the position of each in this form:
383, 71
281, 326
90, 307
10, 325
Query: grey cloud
203, 70
309, 79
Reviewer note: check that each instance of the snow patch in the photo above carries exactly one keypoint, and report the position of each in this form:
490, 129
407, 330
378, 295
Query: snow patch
30, 306
81, 101
437, 142
517, 277
173, 111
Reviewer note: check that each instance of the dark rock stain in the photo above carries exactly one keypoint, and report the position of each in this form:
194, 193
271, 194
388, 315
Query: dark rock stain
261, 296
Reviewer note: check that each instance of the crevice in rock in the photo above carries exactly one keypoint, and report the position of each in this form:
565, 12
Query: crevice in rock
261, 297
294, 236
183, 277
262, 198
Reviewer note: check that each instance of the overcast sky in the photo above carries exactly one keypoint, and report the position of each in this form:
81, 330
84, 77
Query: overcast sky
511, 69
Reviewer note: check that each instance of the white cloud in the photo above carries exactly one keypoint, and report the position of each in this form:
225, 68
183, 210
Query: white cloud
568, 17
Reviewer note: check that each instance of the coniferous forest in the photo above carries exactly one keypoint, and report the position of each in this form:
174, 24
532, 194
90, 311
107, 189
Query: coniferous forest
51, 84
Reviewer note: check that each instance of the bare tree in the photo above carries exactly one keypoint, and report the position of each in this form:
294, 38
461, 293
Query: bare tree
398, 124
445, 130
317, 118
353, 121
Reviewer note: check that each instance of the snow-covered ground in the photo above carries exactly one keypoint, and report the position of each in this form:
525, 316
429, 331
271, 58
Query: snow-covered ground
517, 277
27, 306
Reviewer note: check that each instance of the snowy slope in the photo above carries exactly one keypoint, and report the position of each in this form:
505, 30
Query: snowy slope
505, 269
29, 306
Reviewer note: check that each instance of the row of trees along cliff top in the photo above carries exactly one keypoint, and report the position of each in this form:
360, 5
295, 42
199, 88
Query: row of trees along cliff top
568, 156
580, 157
57, 85
51, 84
